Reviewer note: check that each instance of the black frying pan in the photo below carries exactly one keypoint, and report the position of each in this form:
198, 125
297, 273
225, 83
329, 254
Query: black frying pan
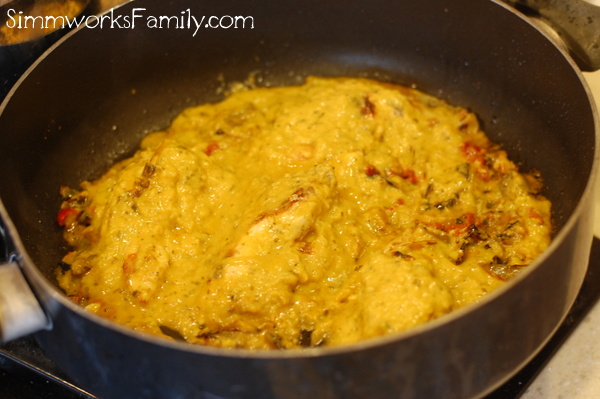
89, 101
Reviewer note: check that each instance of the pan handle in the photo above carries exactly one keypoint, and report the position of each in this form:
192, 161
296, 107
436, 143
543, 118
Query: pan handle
20, 311
576, 22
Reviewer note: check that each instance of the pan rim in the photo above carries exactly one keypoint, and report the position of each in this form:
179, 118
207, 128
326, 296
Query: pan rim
34, 274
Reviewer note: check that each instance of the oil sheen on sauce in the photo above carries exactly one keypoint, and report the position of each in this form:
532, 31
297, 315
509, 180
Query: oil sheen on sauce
321, 214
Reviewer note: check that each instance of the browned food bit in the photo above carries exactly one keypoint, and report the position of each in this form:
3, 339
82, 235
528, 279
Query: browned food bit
368, 107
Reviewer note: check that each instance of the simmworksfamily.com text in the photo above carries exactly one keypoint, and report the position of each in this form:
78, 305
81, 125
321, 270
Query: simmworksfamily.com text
113, 20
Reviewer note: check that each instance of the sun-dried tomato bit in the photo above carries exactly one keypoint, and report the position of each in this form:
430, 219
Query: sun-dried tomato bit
211, 147
371, 171
67, 216
477, 156
458, 225
472, 151
406, 174
410, 176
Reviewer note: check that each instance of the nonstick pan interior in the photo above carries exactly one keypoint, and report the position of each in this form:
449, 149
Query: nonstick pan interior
92, 98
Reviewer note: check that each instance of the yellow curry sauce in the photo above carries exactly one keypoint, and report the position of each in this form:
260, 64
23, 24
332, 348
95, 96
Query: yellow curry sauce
319, 214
